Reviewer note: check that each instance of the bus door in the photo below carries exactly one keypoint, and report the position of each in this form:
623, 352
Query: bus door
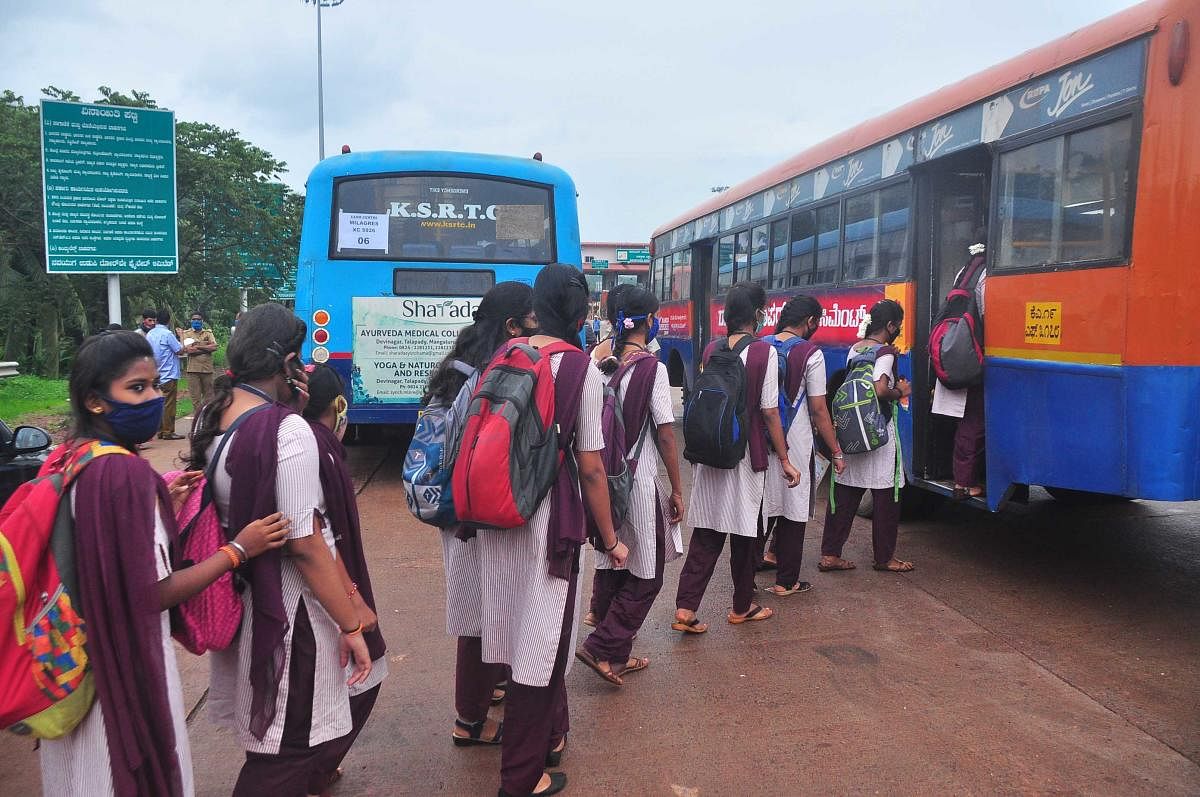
953, 200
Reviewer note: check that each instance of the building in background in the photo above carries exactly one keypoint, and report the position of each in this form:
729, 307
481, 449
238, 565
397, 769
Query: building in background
607, 265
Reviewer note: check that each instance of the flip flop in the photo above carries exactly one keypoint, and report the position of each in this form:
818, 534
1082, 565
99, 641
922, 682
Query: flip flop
641, 664
844, 564
692, 626
753, 616
905, 567
590, 660
799, 586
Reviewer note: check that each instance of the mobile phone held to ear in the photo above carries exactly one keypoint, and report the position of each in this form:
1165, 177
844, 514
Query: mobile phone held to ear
292, 370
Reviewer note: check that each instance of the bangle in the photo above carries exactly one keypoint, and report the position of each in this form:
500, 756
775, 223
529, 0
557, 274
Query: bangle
237, 546
617, 541
234, 560
353, 590
356, 630
838, 456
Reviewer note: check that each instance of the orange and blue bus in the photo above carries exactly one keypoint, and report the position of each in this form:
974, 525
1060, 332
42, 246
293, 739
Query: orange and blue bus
1081, 158
398, 248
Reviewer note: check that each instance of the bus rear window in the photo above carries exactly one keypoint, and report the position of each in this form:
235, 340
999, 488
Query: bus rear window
442, 217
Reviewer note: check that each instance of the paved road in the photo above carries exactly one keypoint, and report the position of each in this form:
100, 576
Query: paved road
1045, 650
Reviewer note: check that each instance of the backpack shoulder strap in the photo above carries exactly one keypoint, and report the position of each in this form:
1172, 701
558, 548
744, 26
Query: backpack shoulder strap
635, 404
742, 344
797, 357
712, 346
206, 492
568, 390
466, 369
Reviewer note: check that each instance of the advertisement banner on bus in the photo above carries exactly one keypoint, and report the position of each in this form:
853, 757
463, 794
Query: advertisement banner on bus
843, 309
675, 320
398, 341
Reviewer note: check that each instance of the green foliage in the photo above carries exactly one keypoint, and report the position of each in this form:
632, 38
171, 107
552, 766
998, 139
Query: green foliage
234, 213
24, 394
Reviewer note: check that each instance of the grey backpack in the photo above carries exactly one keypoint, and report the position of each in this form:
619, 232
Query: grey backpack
859, 421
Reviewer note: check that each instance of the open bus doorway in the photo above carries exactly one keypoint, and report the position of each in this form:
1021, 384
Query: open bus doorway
955, 191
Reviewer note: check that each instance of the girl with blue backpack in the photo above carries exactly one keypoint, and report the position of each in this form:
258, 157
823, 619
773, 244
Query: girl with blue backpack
506, 312
801, 396
727, 501
880, 469
623, 596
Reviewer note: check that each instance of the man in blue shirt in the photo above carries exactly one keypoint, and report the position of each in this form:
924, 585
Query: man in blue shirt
166, 349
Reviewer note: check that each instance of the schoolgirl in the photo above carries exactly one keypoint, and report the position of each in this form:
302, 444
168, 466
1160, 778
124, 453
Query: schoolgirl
326, 413
788, 509
880, 470
531, 573
281, 687
505, 312
622, 596
729, 502
134, 739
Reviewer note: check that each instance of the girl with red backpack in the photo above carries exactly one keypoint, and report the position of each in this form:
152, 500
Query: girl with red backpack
788, 510
728, 502
506, 312
622, 596
282, 685
134, 739
531, 572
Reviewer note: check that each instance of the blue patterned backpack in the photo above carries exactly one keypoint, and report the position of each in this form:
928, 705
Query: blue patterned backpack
429, 463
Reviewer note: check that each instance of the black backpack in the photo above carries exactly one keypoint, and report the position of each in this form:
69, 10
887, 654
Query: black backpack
715, 425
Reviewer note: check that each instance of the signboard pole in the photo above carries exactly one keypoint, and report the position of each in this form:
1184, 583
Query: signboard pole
114, 298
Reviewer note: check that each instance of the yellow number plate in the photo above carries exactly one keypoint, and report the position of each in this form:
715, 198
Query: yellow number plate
1043, 323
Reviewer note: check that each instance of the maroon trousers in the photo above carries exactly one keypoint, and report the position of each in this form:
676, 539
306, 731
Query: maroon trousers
703, 552
474, 680
332, 752
621, 602
885, 521
788, 542
969, 441
535, 717
291, 771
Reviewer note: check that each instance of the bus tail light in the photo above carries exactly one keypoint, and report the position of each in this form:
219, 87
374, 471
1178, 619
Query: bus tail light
320, 336
321, 318
1177, 56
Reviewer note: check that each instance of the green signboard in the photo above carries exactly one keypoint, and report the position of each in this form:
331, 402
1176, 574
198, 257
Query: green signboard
108, 181
633, 256
598, 264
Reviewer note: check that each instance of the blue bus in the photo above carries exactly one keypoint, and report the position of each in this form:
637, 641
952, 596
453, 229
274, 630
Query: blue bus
397, 249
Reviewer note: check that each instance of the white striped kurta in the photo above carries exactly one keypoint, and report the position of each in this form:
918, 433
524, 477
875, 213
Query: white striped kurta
730, 501
639, 530
298, 496
795, 503
875, 469
464, 590
79, 763
522, 604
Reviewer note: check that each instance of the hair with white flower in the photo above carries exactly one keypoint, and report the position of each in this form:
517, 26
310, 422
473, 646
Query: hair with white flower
862, 327
976, 249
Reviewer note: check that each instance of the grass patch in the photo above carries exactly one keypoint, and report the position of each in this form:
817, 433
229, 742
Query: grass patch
24, 395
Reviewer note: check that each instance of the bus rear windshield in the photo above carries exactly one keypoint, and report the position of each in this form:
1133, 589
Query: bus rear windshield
442, 217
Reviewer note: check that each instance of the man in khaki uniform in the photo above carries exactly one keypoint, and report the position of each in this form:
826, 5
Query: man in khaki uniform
198, 345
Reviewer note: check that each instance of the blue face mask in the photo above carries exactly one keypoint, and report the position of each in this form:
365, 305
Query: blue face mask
197, 325
651, 333
135, 423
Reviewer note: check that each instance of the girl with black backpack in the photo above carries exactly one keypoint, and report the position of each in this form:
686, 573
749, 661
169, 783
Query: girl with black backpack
728, 501
622, 596
506, 312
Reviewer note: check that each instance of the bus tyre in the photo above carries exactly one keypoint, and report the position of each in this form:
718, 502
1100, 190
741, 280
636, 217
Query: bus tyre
1083, 497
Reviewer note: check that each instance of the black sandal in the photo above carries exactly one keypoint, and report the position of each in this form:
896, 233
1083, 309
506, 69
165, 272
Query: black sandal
475, 729
502, 688
558, 782
554, 757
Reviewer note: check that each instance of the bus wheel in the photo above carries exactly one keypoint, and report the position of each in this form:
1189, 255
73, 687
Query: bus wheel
1083, 497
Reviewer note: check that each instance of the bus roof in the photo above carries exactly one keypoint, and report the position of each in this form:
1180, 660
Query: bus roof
385, 161
1097, 37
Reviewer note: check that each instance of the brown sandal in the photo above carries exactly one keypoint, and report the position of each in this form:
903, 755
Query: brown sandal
840, 564
755, 614
639, 663
692, 626
901, 567
594, 665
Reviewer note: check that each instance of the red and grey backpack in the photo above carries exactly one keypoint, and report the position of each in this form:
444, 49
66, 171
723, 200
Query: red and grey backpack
514, 442
956, 340
46, 684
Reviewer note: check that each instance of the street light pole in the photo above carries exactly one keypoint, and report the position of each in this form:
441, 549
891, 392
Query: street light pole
320, 75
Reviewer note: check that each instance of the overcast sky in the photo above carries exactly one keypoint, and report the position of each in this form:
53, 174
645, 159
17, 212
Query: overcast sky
646, 104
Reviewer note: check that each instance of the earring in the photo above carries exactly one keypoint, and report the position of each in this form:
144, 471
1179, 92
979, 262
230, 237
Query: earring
97, 410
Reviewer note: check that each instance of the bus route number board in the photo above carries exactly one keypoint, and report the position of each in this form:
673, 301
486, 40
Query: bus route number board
1043, 323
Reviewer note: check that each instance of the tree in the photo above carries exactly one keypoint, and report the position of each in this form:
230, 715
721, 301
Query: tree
232, 209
